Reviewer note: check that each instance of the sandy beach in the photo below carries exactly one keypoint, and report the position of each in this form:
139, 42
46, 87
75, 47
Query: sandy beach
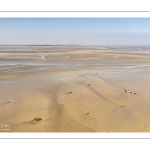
75, 88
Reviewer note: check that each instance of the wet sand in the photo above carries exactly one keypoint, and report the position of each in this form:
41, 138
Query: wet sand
74, 89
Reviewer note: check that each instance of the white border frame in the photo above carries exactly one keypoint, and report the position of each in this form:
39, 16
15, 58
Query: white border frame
74, 14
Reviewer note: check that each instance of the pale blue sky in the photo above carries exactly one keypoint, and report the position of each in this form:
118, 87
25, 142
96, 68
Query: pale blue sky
86, 31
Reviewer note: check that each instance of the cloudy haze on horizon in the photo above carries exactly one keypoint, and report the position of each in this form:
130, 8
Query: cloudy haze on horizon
85, 31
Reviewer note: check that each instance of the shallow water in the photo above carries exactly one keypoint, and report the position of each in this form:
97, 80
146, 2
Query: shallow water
15, 59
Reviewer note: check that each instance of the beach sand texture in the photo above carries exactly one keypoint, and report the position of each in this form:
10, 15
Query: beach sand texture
74, 88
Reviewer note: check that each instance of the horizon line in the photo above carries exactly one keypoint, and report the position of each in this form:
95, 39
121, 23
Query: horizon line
70, 45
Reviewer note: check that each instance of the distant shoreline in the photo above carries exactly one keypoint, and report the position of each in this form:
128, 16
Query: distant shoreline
39, 45
69, 45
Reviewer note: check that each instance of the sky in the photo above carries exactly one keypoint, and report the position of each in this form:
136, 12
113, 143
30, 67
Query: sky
84, 31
